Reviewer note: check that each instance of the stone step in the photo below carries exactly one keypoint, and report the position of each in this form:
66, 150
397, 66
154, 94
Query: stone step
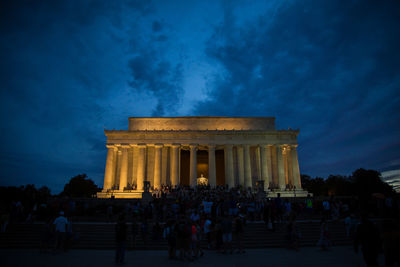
256, 236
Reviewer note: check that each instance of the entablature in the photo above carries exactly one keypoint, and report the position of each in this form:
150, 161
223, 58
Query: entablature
203, 137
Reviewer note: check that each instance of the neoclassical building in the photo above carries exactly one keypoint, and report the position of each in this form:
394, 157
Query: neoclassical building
190, 150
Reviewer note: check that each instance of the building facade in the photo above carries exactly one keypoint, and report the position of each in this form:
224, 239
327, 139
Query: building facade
190, 150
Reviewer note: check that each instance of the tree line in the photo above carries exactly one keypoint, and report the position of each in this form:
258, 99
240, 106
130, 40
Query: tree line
78, 186
361, 183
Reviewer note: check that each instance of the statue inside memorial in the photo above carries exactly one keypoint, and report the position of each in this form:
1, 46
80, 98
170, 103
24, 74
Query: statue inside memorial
203, 181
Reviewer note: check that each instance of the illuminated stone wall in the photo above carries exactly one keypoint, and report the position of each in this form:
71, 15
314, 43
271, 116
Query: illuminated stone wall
226, 150
202, 123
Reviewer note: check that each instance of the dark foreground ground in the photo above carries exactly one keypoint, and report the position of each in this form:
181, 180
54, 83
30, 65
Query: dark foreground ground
309, 256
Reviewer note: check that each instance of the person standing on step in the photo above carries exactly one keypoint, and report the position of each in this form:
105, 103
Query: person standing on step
207, 231
239, 233
144, 230
134, 228
324, 241
367, 236
120, 239
327, 209
169, 234
180, 237
61, 227
226, 226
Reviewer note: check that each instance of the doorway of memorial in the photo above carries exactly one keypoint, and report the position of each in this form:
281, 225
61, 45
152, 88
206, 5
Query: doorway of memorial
184, 177
220, 166
202, 166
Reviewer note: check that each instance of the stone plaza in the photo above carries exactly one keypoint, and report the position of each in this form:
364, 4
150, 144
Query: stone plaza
219, 151
310, 256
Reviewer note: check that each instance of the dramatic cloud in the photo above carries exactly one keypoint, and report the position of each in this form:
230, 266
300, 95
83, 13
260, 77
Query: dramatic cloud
330, 68
70, 69
151, 73
64, 77
392, 178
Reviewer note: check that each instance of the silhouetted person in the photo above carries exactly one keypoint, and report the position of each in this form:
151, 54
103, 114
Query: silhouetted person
226, 225
324, 240
278, 207
120, 239
293, 234
367, 236
170, 235
180, 234
135, 231
61, 227
157, 231
207, 231
46, 236
391, 243
239, 233
144, 227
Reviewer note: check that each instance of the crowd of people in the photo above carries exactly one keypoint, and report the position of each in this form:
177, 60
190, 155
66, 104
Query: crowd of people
195, 219
192, 220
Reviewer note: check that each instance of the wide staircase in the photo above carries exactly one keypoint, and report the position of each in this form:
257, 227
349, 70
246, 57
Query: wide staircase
101, 236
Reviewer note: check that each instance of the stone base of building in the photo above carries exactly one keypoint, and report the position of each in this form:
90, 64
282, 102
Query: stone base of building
120, 194
284, 193
139, 194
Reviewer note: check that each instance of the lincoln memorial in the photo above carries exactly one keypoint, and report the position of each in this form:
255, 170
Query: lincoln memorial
229, 151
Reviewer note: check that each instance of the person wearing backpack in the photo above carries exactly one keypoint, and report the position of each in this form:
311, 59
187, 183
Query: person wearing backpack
169, 235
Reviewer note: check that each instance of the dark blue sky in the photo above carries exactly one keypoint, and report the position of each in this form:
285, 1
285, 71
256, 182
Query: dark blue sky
69, 69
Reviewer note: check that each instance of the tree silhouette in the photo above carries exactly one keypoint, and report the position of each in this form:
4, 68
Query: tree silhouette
368, 182
80, 186
363, 183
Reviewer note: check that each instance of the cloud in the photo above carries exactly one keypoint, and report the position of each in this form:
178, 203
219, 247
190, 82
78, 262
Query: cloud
63, 72
392, 177
70, 69
328, 68
157, 26
156, 74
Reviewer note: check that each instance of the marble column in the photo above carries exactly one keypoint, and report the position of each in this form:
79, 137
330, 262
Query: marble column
268, 149
193, 165
229, 166
289, 166
240, 165
123, 176
295, 168
266, 177
175, 164
247, 167
110, 167
285, 164
141, 166
134, 163
212, 176
258, 163
117, 168
281, 167
157, 166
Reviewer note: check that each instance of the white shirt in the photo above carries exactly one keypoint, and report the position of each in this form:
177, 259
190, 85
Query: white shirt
60, 223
